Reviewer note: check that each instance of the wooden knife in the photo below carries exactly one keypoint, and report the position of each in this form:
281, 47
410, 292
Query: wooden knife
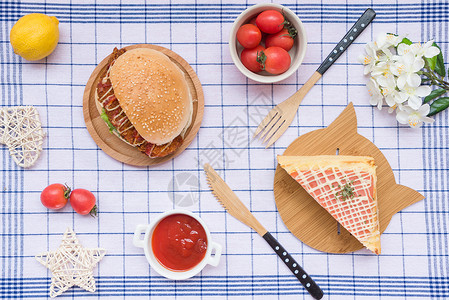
229, 200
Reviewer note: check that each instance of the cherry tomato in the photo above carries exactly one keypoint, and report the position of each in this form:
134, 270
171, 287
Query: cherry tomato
55, 196
249, 58
253, 21
270, 21
83, 202
274, 60
281, 39
249, 36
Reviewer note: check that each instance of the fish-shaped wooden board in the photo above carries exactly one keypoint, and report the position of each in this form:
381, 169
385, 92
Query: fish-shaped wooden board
305, 218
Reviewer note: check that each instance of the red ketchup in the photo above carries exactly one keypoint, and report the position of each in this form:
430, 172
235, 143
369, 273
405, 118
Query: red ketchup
179, 242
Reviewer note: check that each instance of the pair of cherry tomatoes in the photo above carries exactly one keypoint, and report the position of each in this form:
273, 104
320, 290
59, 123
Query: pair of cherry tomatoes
278, 35
56, 196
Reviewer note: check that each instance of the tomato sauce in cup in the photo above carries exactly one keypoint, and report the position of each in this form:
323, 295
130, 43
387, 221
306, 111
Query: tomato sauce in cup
179, 242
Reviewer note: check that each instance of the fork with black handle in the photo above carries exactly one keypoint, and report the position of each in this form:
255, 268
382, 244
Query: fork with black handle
281, 116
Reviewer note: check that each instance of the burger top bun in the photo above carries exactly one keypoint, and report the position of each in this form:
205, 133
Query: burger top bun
153, 93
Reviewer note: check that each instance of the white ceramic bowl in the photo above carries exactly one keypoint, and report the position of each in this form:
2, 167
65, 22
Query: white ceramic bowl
145, 243
296, 53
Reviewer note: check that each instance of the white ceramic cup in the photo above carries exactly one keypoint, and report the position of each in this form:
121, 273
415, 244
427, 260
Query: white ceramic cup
145, 243
297, 53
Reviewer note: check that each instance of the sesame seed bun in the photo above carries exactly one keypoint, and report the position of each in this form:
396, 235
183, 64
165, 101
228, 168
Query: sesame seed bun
153, 92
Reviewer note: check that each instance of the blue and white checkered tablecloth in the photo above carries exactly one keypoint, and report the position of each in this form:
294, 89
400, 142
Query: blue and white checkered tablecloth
414, 261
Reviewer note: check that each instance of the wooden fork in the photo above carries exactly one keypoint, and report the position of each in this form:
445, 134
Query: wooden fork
281, 116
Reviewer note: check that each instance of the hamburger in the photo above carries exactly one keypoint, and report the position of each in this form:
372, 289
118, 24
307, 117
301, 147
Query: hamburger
145, 100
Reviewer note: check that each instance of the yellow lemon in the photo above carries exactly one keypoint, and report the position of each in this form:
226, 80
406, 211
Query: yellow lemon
34, 36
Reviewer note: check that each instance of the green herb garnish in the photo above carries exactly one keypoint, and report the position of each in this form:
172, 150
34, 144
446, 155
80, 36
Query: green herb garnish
346, 192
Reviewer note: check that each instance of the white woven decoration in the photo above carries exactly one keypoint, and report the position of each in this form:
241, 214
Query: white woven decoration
71, 264
21, 132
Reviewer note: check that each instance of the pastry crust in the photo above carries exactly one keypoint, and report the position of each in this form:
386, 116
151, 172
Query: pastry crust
327, 177
291, 163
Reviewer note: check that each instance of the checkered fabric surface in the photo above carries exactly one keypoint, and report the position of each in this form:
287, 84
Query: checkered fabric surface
414, 261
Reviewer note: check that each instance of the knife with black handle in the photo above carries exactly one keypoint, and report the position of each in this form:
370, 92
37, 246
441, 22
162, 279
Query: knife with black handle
229, 200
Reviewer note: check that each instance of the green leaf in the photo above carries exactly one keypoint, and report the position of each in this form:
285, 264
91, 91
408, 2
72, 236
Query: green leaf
439, 105
439, 67
105, 118
432, 62
434, 94
406, 41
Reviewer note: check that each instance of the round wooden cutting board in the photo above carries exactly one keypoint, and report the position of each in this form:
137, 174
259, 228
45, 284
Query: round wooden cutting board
305, 218
115, 147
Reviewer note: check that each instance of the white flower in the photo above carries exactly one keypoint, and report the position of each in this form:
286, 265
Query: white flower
374, 91
404, 49
389, 90
370, 58
405, 68
414, 118
426, 50
385, 56
398, 107
387, 40
394, 67
414, 95
382, 68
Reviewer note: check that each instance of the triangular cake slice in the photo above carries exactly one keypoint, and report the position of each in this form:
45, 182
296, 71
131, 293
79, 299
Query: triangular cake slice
345, 186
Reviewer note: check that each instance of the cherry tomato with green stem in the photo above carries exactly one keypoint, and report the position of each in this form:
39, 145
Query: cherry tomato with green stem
281, 39
83, 202
249, 58
55, 196
274, 60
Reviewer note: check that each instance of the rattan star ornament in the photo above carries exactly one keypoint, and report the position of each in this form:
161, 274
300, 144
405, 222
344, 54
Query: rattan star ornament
21, 131
71, 264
